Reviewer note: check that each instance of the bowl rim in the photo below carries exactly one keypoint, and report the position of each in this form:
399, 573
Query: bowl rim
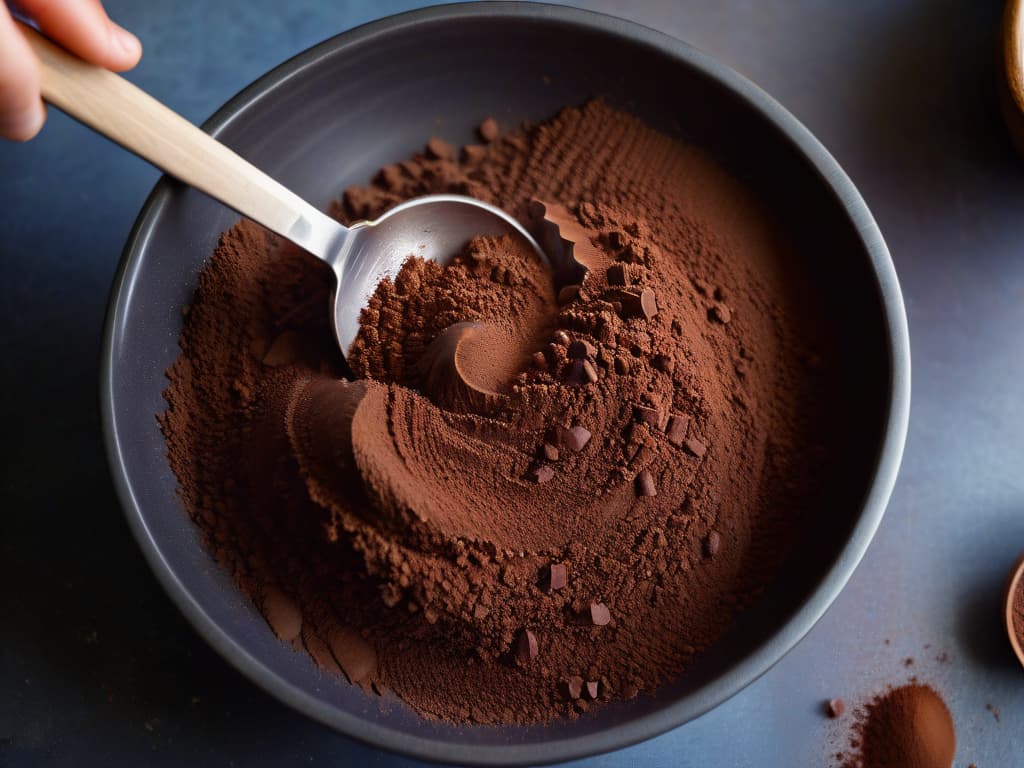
718, 690
1013, 581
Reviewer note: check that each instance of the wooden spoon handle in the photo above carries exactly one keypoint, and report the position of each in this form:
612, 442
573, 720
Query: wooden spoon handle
127, 115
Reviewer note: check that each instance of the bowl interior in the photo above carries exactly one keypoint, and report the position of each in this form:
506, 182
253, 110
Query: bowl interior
331, 118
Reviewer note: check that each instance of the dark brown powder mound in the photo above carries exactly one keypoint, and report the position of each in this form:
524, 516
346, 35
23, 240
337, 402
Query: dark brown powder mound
537, 476
906, 727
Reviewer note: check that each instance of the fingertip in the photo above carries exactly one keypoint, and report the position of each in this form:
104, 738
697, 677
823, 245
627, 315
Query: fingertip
126, 47
24, 125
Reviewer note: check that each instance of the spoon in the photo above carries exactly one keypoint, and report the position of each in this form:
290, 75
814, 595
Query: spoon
434, 227
1014, 583
1011, 76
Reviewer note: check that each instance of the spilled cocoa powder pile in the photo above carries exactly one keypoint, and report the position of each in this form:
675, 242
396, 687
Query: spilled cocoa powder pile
544, 487
905, 727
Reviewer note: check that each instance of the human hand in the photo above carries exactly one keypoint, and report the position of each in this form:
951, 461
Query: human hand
81, 26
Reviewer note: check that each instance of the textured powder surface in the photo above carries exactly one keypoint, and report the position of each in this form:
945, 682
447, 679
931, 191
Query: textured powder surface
543, 489
906, 727
1018, 612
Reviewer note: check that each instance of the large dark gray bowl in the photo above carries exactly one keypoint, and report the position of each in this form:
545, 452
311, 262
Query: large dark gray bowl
329, 118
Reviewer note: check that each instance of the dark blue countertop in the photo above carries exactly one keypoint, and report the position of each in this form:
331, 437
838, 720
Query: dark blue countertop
96, 665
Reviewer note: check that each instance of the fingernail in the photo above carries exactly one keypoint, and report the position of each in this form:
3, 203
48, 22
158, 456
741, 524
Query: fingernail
128, 42
24, 125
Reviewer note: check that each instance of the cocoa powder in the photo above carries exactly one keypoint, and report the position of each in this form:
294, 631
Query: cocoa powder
905, 727
545, 488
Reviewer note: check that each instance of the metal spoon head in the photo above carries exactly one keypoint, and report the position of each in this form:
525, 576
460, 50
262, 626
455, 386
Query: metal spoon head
434, 227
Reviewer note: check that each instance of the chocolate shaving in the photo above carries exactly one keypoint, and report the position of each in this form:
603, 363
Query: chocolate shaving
557, 576
651, 416
695, 446
575, 438
566, 243
645, 484
640, 304
527, 646
678, 424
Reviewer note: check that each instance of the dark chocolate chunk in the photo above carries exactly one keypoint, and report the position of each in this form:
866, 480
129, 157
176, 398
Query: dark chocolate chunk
678, 424
589, 371
561, 337
574, 685
489, 129
549, 452
648, 304
599, 614
592, 686
649, 415
645, 484
712, 544
540, 362
577, 350
557, 576
527, 647
642, 304
542, 473
439, 149
575, 373
568, 294
575, 438
617, 275
695, 446
835, 708
622, 365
